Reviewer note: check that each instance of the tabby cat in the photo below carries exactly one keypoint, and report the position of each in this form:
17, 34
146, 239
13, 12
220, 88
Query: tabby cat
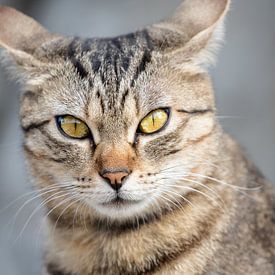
122, 140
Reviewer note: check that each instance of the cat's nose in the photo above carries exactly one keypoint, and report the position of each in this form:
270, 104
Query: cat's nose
115, 177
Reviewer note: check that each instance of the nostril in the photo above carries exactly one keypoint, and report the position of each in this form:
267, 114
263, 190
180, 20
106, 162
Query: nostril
124, 178
115, 177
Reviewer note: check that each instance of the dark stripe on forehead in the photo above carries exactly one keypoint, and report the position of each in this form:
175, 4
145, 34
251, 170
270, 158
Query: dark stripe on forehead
148, 39
147, 47
123, 99
100, 100
86, 45
126, 63
72, 50
96, 63
111, 57
146, 58
124, 58
79, 68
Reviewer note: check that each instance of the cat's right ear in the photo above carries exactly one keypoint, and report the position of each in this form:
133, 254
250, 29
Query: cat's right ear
193, 33
21, 35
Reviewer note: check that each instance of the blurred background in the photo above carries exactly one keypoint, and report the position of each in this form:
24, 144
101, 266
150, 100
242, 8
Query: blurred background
244, 79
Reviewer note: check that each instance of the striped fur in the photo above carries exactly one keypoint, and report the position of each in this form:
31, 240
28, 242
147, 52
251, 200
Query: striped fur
183, 208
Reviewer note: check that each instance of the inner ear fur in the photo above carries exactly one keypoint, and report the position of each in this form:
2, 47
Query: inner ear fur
193, 30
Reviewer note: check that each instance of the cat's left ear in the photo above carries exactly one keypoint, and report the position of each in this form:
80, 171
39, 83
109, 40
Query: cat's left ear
193, 33
21, 35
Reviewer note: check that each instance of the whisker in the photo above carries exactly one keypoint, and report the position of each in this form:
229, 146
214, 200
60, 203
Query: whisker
28, 201
212, 191
233, 117
83, 209
208, 188
181, 196
49, 212
210, 198
27, 194
35, 211
75, 213
177, 205
227, 184
64, 210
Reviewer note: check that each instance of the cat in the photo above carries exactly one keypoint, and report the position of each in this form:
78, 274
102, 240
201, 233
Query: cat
121, 138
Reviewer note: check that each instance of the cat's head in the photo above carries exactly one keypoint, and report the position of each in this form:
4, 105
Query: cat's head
122, 125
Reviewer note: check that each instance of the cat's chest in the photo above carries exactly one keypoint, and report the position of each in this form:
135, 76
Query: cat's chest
129, 256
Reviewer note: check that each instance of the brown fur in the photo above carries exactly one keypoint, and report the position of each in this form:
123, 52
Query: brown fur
193, 203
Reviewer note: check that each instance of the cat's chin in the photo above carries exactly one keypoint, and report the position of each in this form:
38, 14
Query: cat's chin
120, 209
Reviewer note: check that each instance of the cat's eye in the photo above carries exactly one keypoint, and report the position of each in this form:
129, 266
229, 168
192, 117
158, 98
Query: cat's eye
154, 121
73, 127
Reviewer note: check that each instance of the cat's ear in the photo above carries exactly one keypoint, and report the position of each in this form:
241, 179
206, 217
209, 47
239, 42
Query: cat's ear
21, 35
193, 33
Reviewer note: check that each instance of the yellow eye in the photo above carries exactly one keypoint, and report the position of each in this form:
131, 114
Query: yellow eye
154, 121
73, 127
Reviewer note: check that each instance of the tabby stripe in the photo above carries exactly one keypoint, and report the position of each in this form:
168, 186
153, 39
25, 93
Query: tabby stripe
39, 157
126, 63
72, 48
146, 58
148, 40
200, 139
165, 144
123, 99
86, 45
33, 125
117, 73
167, 153
32, 96
76, 63
96, 63
117, 43
59, 144
79, 68
163, 258
101, 102
195, 111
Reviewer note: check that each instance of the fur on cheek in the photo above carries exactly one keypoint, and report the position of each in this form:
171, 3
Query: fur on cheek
199, 127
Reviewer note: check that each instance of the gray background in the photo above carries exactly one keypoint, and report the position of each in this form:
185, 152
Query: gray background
244, 79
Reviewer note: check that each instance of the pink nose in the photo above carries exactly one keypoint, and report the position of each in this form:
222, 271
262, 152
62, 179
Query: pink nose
115, 177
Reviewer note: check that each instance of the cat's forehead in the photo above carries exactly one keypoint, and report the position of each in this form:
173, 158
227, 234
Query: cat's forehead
115, 71
112, 59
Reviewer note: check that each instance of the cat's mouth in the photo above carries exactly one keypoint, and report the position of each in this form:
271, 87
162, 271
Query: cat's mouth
119, 202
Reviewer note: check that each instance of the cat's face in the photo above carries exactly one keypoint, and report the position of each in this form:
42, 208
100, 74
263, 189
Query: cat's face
123, 125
